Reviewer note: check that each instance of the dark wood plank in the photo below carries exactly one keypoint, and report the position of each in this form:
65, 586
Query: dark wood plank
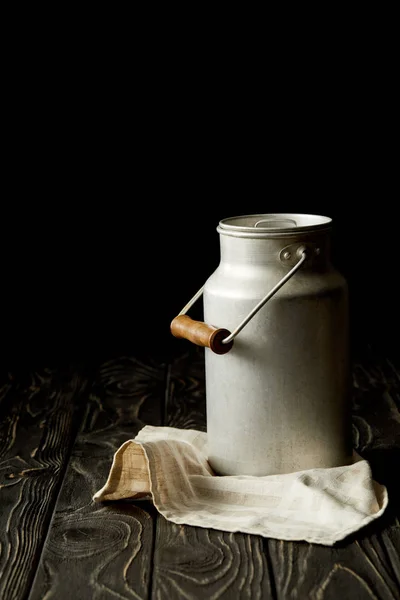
194, 562
37, 410
361, 569
376, 420
97, 550
367, 564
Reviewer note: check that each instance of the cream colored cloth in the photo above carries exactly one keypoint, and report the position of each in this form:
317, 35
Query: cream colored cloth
170, 466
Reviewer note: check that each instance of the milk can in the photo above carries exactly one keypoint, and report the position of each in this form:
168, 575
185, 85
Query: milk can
275, 334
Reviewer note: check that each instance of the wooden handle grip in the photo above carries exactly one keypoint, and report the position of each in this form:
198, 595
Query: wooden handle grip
201, 334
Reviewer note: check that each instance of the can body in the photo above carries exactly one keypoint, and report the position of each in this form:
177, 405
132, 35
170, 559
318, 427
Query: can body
278, 402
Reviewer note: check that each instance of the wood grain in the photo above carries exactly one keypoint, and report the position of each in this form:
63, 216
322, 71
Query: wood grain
98, 550
364, 568
192, 562
201, 333
37, 410
376, 420
367, 564
185, 405
58, 436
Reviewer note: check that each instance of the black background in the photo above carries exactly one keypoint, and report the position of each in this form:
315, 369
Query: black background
119, 164
89, 282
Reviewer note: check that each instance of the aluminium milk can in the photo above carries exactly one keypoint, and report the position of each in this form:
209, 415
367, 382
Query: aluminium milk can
275, 333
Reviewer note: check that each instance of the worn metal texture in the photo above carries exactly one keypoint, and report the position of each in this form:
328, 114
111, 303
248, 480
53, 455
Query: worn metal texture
278, 402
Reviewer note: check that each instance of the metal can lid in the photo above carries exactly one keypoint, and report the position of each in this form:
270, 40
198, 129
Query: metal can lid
272, 224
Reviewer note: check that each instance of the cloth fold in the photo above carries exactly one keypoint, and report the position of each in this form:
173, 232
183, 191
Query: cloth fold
170, 467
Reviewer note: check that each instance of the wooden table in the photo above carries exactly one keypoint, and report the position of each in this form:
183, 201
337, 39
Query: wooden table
60, 426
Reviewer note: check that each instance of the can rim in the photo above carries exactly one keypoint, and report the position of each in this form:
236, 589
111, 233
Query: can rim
254, 224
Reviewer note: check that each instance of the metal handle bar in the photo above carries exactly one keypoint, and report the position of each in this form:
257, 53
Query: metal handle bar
231, 337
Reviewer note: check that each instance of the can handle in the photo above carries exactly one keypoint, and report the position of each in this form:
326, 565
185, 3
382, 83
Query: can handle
220, 341
201, 334
277, 223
